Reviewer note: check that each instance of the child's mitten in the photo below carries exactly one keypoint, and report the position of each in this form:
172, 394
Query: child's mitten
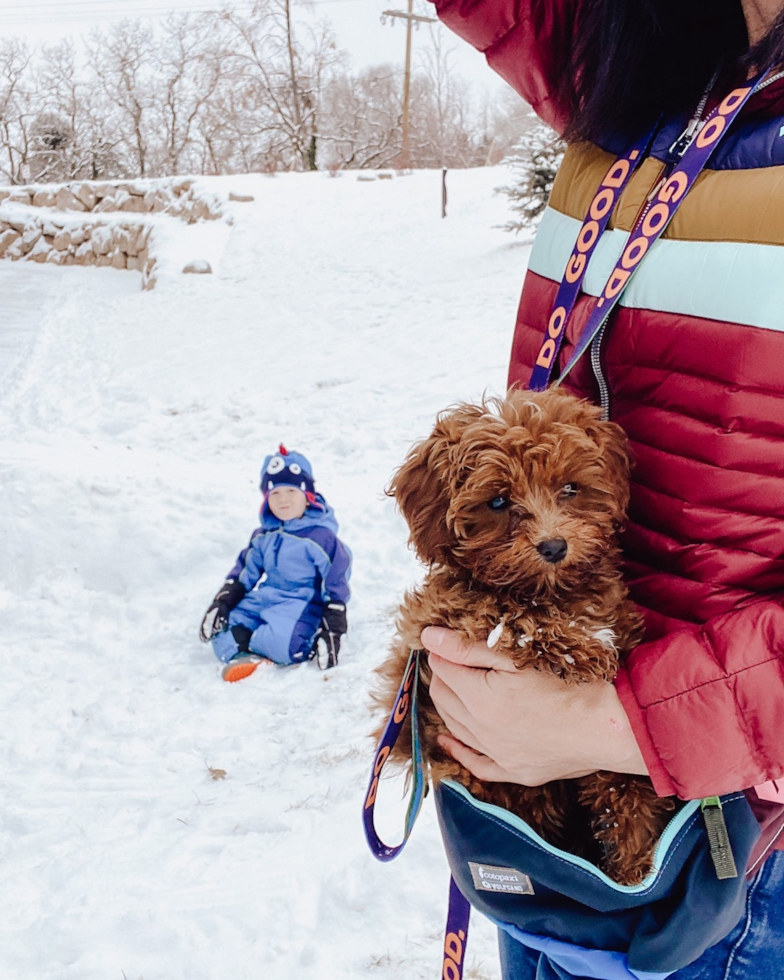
327, 643
216, 619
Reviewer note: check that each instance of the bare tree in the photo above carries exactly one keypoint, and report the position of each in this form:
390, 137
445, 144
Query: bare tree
279, 73
66, 134
361, 123
227, 92
187, 71
16, 109
503, 119
444, 130
52, 148
121, 60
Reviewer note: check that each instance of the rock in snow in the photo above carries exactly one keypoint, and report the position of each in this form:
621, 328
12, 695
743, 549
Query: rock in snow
199, 267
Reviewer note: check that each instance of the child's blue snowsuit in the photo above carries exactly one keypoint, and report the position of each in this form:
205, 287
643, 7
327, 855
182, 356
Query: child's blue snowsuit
299, 566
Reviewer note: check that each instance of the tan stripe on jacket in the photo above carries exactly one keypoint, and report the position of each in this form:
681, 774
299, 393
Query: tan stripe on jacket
723, 206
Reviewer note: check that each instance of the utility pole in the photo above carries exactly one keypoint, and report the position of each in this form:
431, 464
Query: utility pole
410, 17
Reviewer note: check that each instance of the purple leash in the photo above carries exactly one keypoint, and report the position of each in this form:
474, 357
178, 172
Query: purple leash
691, 159
405, 706
601, 210
459, 909
456, 934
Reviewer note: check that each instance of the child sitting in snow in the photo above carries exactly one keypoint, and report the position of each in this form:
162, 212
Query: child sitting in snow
285, 599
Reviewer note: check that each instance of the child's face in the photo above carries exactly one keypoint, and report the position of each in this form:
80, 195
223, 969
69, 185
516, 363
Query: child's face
287, 503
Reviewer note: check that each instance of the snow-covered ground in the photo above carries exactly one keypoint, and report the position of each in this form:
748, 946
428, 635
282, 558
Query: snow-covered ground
155, 822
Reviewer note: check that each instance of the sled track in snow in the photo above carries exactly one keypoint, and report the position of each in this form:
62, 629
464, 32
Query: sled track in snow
26, 291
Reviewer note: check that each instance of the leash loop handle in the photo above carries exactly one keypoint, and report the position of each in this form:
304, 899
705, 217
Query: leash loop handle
405, 707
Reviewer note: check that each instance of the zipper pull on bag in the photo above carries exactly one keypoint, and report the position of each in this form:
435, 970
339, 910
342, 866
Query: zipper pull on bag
718, 838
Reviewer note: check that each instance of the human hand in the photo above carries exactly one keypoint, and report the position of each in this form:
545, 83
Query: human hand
524, 726
327, 642
216, 619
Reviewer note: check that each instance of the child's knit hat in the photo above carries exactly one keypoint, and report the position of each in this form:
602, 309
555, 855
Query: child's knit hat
285, 469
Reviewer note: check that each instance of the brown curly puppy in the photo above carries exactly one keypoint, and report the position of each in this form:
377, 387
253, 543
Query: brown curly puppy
514, 507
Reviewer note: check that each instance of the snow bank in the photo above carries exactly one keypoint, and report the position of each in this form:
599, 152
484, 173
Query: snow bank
157, 823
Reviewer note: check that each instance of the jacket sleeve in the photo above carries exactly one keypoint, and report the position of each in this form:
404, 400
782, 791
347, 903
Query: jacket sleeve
707, 704
523, 40
249, 566
334, 565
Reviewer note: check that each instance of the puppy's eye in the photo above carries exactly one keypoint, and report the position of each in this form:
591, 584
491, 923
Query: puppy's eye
498, 503
569, 491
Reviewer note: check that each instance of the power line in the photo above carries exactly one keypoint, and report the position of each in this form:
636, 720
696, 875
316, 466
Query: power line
89, 14
91, 11
96, 6
50, 11
71, 5
89, 8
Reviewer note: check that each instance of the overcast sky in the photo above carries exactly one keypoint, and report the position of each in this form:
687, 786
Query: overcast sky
356, 22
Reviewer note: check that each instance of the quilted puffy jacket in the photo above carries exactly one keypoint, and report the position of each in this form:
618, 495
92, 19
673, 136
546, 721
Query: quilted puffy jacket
694, 360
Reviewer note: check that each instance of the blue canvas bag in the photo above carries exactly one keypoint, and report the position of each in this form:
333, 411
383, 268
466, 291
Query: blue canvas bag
583, 923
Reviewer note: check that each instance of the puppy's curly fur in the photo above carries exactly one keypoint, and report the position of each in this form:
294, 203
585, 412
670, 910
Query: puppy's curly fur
514, 507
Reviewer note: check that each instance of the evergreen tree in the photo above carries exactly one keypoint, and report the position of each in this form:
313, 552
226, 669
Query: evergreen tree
534, 163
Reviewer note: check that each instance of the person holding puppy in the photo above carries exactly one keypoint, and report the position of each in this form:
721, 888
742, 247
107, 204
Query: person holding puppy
689, 365
284, 601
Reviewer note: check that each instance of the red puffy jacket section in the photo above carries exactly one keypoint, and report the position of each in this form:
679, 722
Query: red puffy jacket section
705, 692
522, 41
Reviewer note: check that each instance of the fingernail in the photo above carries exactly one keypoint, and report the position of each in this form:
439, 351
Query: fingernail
432, 637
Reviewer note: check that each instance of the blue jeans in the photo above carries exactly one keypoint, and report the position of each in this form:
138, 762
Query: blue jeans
754, 950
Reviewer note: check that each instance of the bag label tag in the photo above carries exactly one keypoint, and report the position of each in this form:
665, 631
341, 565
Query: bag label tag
488, 878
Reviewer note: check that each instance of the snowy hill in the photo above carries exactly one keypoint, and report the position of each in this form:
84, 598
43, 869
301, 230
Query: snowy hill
342, 316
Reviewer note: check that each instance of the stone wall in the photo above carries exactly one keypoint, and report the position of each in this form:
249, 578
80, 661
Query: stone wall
176, 196
97, 223
61, 241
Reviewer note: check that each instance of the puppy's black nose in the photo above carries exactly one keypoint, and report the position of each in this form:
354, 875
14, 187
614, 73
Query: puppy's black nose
553, 550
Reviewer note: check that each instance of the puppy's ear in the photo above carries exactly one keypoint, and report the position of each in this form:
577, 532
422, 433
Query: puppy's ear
423, 484
614, 446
